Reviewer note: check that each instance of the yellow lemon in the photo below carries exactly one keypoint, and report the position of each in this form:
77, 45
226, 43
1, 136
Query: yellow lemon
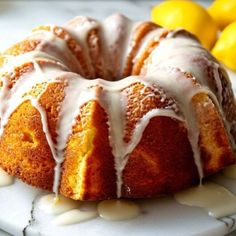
188, 15
225, 48
223, 12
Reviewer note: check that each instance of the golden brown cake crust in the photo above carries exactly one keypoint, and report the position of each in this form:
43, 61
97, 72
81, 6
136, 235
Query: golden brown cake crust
154, 161
24, 151
141, 31
89, 162
162, 162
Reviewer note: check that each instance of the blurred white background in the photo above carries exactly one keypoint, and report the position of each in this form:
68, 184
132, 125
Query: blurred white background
17, 18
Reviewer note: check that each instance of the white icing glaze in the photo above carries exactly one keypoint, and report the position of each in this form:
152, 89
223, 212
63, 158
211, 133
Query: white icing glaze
56, 47
117, 47
46, 131
11, 99
215, 199
121, 150
121, 29
186, 54
118, 209
66, 209
177, 85
12, 62
153, 35
56, 205
77, 95
5, 179
79, 28
230, 172
74, 217
83, 25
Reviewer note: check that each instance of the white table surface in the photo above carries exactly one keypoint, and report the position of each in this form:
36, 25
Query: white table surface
17, 18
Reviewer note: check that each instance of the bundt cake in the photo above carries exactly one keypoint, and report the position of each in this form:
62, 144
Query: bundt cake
99, 110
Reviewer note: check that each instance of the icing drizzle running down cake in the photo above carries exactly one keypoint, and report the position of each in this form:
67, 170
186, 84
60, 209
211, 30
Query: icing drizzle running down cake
98, 110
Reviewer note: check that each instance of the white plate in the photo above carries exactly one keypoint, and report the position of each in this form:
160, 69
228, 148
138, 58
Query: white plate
162, 216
